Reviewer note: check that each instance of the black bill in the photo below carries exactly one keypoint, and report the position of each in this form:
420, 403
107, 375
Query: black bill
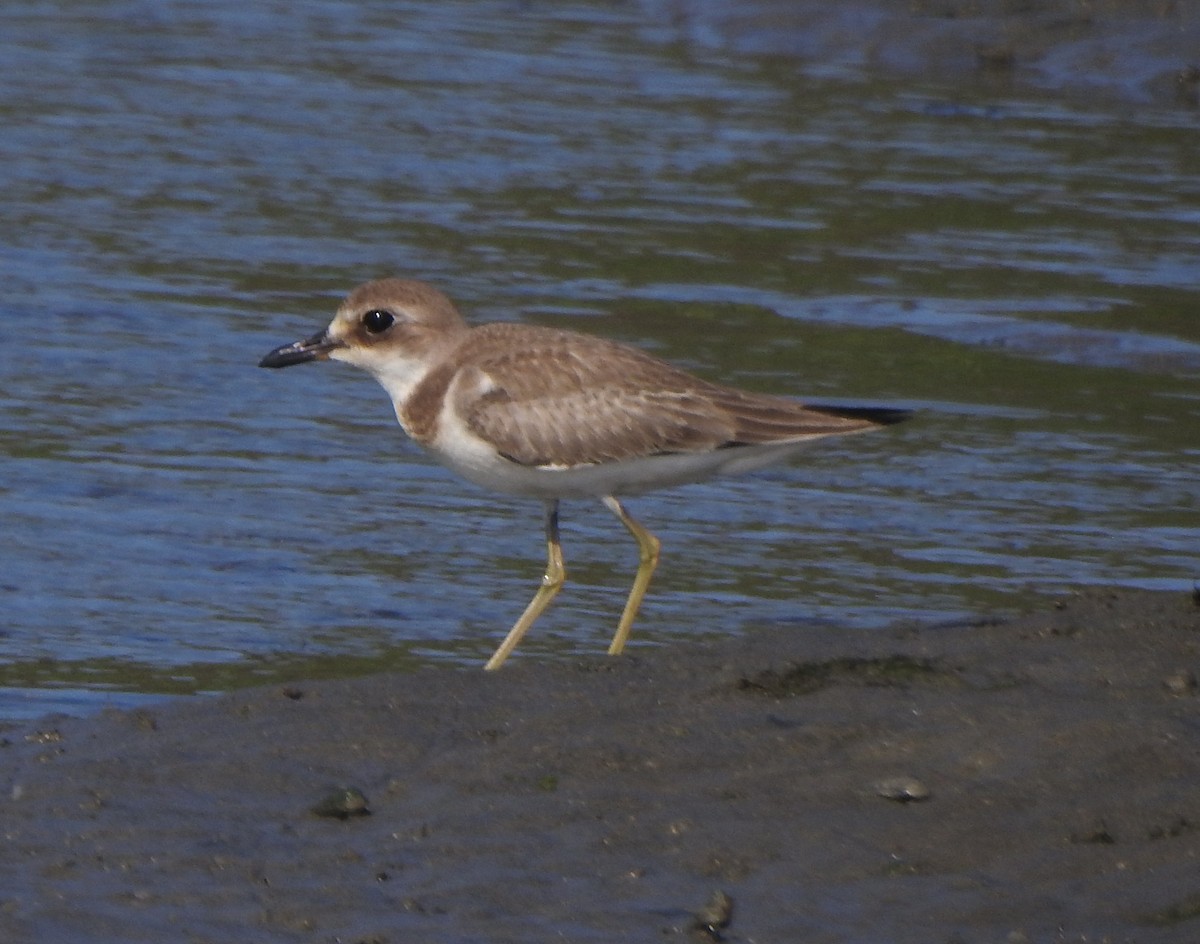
315, 348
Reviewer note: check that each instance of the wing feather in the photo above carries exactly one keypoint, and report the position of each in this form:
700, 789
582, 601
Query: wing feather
563, 399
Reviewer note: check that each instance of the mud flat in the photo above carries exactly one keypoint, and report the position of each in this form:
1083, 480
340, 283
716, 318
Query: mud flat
1037, 780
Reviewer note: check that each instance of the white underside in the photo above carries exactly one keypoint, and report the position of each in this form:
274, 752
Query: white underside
461, 450
476, 461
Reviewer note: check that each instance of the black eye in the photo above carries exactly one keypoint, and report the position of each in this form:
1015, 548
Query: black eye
376, 321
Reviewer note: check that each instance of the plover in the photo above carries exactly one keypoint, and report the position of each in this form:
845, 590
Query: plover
555, 414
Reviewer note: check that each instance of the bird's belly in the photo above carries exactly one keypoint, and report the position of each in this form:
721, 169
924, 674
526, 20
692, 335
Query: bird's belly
629, 477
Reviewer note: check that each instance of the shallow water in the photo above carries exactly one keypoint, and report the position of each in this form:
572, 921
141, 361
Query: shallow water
187, 186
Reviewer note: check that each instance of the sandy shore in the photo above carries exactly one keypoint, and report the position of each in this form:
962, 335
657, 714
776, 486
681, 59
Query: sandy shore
606, 799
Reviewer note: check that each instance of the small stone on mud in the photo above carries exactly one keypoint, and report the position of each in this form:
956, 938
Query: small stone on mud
143, 720
716, 915
902, 789
1180, 683
342, 803
1098, 833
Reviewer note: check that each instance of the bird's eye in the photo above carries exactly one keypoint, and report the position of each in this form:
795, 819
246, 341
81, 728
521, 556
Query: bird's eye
376, 321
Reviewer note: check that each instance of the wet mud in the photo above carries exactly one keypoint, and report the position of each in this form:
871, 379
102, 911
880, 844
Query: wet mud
1037, 780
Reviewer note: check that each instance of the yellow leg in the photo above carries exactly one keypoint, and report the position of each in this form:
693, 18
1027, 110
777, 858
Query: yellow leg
648, 548
552, 582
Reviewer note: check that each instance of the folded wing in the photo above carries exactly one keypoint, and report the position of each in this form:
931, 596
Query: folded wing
551, 403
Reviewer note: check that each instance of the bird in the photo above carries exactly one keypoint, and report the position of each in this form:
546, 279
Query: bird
554, 414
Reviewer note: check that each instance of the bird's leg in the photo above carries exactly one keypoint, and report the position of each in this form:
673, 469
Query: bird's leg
552, 582
648, 548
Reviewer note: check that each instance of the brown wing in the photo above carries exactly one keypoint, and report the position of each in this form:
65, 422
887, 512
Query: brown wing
559, 398
761, 419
